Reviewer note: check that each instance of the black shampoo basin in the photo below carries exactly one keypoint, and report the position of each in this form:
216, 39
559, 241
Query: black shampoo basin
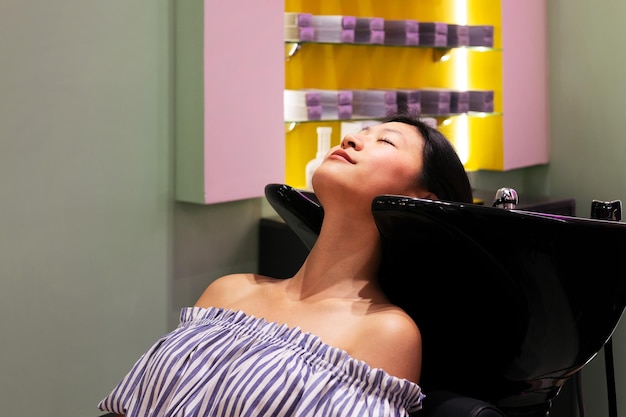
510, 303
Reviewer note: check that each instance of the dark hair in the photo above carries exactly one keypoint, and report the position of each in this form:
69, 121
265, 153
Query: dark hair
443, 172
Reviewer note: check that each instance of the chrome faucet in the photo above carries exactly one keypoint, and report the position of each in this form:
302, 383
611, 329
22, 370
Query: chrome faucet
506, 198
606, 210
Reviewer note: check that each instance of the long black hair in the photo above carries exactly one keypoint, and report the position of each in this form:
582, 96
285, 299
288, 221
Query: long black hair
443, 172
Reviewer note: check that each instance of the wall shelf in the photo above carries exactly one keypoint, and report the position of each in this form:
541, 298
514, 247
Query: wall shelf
440, 117
232, 139
515, 69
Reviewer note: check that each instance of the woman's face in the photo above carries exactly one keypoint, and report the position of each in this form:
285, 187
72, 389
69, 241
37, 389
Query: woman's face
381, 159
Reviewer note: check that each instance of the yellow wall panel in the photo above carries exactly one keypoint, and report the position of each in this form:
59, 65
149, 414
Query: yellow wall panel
349, 66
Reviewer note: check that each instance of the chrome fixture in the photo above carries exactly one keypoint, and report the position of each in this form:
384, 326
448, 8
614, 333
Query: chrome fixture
506, 198
606, 210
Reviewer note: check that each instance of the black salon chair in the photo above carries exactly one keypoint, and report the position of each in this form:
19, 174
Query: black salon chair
505, 314
450, 404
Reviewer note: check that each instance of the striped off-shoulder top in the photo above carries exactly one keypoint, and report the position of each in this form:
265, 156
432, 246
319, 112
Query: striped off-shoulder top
220, 362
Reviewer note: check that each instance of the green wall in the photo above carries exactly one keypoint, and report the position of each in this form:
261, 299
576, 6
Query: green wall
85, 229
588, 143
96, 258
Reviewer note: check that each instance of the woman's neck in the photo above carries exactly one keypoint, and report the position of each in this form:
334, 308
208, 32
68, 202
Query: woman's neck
344, 261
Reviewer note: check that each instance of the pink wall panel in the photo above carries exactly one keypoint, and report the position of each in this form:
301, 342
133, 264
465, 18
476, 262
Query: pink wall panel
243, 98
525, 79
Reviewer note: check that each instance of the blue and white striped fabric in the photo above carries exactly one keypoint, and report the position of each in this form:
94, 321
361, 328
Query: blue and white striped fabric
221, 362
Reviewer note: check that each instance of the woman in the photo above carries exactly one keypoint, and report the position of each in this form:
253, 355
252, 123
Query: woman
327, 341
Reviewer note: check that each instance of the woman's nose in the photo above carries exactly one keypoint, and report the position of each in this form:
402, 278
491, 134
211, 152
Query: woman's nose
351, 141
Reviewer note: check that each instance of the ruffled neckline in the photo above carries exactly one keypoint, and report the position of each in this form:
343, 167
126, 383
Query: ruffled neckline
309, 346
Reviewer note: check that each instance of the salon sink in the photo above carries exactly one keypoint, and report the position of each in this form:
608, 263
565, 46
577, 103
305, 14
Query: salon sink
510, 303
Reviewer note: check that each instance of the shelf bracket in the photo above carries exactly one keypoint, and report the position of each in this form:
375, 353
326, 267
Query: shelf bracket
294, 47
290, 126
441, 54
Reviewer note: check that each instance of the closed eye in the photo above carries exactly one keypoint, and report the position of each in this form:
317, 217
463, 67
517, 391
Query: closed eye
386, 141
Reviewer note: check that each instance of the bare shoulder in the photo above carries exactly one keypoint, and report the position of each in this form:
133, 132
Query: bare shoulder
227, 289
389, 339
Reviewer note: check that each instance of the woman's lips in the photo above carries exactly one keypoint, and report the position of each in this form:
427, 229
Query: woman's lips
340, 153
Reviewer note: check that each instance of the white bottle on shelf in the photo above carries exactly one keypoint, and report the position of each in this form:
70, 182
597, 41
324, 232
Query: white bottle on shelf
323, 146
